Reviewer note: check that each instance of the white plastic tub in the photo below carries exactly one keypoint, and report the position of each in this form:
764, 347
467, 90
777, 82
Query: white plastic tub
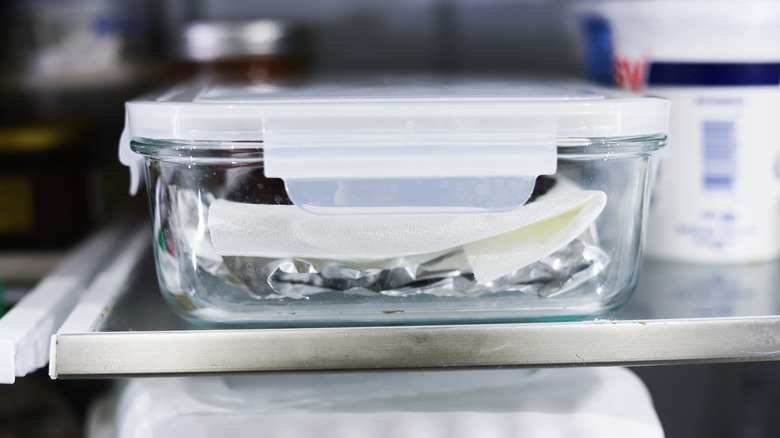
717, 197
401, 202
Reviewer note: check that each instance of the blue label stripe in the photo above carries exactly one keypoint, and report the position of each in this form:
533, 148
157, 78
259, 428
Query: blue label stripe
714, 74
719, 154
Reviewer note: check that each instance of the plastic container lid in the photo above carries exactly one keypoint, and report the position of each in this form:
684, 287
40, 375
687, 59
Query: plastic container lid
440, 137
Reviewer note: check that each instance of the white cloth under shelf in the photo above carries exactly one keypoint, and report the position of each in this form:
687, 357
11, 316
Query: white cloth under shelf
549, 403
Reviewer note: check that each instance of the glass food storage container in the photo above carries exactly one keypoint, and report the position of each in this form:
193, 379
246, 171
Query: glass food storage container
414, 201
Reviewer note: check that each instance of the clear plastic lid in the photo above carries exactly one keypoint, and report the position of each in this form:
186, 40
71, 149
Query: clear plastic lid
335, 142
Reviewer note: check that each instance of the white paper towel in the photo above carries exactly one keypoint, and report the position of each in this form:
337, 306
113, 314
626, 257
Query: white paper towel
495, 244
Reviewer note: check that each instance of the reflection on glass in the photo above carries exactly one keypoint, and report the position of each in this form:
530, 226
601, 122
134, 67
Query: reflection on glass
679, 290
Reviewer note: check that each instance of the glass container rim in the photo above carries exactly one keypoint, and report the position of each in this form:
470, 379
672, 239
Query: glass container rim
165, 148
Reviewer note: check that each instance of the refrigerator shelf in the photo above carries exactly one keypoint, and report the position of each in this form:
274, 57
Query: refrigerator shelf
680, 314
25, 330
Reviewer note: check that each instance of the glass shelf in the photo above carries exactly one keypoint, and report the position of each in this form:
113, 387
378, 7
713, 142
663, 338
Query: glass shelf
679, 314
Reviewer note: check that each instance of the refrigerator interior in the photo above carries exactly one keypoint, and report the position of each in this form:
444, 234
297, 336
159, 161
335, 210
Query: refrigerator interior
47, 86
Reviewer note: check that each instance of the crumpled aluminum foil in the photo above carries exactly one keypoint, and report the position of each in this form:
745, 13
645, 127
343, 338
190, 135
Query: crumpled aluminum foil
297, 278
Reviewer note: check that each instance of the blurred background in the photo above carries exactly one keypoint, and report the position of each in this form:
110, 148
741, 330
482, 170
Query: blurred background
67, 66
